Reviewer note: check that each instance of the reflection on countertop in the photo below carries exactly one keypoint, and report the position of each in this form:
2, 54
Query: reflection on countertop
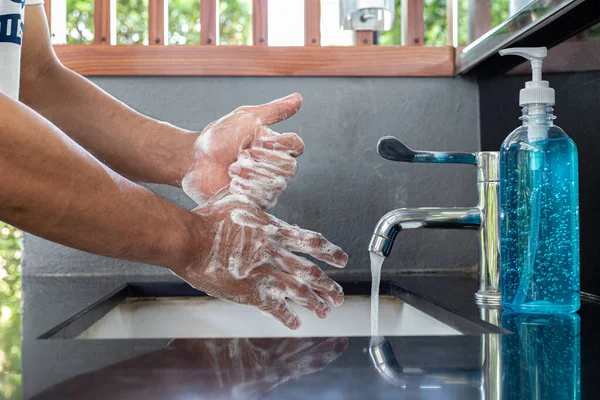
205, 368
542, 358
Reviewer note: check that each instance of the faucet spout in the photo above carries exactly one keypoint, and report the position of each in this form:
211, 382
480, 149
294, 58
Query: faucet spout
484, 217
414, 218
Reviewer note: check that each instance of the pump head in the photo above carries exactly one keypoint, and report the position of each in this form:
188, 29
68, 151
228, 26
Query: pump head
536, 90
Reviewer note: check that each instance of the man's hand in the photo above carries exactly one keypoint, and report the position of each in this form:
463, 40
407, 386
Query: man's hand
247, 256
262, 153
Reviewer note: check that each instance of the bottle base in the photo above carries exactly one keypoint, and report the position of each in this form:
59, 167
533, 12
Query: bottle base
542, 307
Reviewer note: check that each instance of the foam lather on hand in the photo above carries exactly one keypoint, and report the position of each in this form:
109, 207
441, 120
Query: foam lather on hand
248, 258
262, 172
241, 167
263, 159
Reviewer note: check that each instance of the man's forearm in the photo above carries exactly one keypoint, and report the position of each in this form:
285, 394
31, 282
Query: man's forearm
137, 146
53, 188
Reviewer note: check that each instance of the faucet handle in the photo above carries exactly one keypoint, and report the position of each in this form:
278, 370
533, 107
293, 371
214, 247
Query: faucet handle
393, 149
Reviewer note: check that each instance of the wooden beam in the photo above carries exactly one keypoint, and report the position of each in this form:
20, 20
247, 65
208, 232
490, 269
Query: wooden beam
364, 38
102, 21
413, 29
48, 10
479, 16
260, 36
208, 22
97, 60
156, 21
312, 22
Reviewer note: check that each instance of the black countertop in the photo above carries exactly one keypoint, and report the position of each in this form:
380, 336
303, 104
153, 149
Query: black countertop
547, 357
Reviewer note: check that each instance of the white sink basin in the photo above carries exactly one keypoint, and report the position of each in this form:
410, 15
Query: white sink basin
207, 317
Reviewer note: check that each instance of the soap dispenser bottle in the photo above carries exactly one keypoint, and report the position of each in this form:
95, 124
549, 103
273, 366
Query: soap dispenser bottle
539, 206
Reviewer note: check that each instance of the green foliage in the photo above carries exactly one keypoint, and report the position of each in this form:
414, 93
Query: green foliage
132, 22
80, 21
463, 22
235, 22
394, 35
499, 12
184, 22
10, 312
434, 20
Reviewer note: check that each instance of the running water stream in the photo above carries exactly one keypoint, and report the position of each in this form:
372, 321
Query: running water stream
376, 263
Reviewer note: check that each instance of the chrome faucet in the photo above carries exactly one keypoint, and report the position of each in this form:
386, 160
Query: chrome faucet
484, 217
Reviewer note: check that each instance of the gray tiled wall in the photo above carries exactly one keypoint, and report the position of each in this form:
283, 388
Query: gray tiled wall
342, 187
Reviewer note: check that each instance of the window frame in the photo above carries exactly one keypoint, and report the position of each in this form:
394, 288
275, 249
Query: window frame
208, 59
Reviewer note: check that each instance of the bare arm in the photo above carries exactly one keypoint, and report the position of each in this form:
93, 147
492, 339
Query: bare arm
227, 248
53, 188
129, 142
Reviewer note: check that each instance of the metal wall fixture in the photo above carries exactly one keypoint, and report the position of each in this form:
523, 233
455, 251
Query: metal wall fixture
367, 15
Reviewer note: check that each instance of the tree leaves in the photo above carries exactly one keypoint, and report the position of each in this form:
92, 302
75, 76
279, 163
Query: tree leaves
10, 312
183, 19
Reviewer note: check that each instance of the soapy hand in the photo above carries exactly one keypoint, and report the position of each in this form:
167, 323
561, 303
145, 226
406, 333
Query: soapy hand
241, 149
262, 173
247, 257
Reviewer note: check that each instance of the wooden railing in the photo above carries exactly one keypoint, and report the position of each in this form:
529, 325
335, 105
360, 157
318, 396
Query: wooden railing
364, 59
412, 23
260, 31
156, 21
101, 21
208, 22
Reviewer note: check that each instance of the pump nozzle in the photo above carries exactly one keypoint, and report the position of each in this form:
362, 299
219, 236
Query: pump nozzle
536, 90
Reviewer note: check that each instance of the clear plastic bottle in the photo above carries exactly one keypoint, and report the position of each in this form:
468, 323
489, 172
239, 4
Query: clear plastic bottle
539, 217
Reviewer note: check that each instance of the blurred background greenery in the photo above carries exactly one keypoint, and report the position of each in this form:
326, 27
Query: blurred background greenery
235, 22
132, 21
10, 312
184, 22
80, 21
434, 20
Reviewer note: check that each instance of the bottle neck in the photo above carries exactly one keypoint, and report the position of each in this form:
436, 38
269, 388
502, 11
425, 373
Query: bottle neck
537, 114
